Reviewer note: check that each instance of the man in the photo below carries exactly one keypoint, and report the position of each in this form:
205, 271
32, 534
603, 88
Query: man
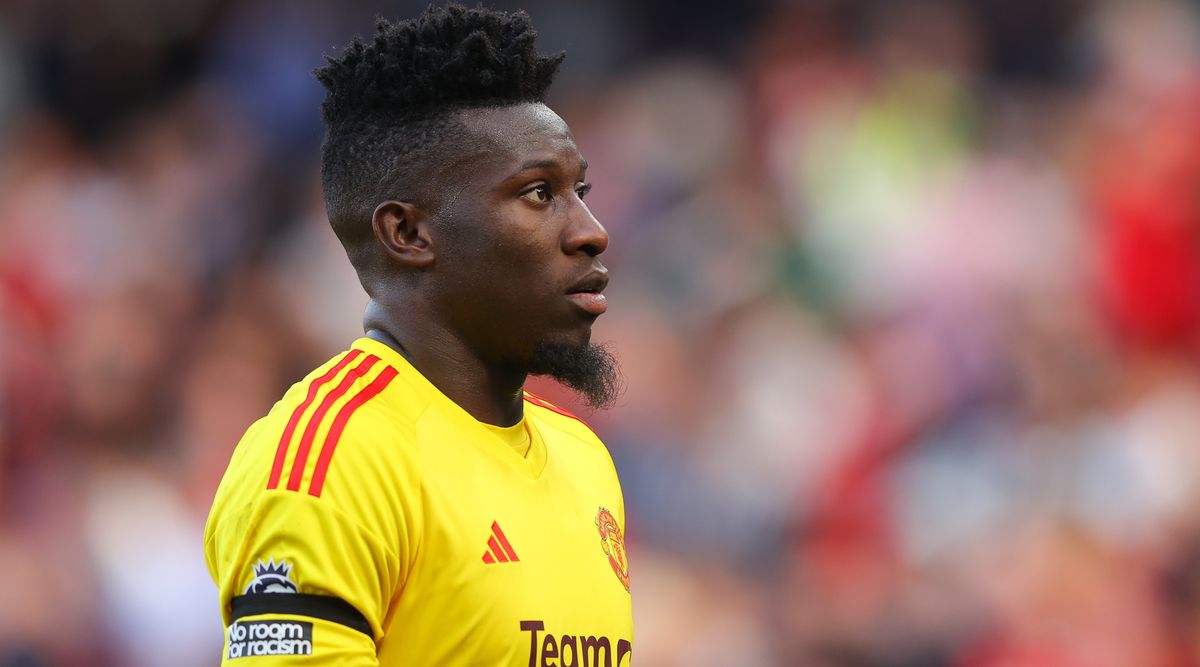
407, 503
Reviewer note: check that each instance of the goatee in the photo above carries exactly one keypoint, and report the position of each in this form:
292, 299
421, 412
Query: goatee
589, 369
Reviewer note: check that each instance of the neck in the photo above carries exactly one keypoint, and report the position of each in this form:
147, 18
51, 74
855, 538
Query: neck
488, 393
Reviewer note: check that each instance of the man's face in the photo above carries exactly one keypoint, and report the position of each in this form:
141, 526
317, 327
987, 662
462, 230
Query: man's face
516, 264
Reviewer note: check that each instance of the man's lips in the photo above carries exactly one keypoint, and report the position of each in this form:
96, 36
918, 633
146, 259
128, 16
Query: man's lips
592, 302
594, 281
587, 292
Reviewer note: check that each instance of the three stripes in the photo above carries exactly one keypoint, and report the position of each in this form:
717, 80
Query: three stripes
499, 550
336, 427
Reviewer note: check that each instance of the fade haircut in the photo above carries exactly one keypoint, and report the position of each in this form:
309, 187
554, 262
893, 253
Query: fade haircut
390, 105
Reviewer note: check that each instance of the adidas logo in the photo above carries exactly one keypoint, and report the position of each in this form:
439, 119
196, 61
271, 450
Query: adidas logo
499, 550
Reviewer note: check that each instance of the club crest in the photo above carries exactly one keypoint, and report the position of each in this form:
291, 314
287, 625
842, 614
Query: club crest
613, 544
272, 578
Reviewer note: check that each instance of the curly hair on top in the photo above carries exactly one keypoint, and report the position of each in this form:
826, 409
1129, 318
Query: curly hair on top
447, 57
389, 102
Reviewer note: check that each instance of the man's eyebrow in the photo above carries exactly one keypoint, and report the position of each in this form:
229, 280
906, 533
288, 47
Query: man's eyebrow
547, 164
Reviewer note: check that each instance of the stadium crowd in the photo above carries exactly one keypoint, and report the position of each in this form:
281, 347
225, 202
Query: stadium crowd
907, 297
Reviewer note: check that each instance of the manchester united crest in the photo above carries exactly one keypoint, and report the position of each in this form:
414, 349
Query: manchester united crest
613, 543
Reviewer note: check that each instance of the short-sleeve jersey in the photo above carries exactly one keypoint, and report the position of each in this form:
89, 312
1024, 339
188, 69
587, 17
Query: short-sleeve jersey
369, 520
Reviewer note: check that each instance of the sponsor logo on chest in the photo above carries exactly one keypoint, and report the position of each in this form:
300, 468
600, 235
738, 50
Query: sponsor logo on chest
547, 649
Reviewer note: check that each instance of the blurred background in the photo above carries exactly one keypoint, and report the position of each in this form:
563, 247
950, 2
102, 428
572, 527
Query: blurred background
907, 296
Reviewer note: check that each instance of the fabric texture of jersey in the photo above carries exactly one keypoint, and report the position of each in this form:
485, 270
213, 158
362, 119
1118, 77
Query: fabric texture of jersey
369, 520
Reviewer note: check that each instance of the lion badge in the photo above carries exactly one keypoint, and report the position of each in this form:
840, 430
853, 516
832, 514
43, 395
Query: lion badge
272, 578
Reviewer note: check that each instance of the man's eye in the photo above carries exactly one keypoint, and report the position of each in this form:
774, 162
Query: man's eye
537, 195
582, 189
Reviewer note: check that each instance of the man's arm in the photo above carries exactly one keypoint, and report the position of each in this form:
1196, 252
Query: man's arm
311, 637
302, 583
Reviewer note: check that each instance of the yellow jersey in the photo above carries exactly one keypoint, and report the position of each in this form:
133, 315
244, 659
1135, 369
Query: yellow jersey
369, 520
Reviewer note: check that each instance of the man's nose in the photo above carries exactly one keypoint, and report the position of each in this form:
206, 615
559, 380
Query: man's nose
584, 233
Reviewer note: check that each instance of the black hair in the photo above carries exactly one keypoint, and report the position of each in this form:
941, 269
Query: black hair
589, 369
390, 102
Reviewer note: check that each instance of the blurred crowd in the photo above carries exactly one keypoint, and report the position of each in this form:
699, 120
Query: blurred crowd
906, 293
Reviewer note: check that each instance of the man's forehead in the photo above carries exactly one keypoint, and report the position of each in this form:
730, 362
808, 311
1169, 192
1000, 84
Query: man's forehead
516, 121
512, 135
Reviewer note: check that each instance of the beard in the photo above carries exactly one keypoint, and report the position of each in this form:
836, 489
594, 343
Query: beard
590, 370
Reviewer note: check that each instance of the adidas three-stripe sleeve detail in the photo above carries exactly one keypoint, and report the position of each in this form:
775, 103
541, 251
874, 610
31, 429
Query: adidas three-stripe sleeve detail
285, 440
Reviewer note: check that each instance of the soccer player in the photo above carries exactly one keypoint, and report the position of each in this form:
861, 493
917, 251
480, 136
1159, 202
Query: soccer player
408, 503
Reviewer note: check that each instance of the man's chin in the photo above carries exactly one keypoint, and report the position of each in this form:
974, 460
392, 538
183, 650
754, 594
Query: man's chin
590, 370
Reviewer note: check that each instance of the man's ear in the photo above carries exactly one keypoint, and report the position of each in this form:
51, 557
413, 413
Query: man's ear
403, 229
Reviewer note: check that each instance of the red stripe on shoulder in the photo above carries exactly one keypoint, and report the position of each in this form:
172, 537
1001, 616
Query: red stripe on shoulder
339, 425
539, 401
290, 429
310, 431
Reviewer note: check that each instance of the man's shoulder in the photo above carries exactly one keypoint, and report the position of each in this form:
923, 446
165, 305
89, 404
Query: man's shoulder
351, 381
351, 411
338, 443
